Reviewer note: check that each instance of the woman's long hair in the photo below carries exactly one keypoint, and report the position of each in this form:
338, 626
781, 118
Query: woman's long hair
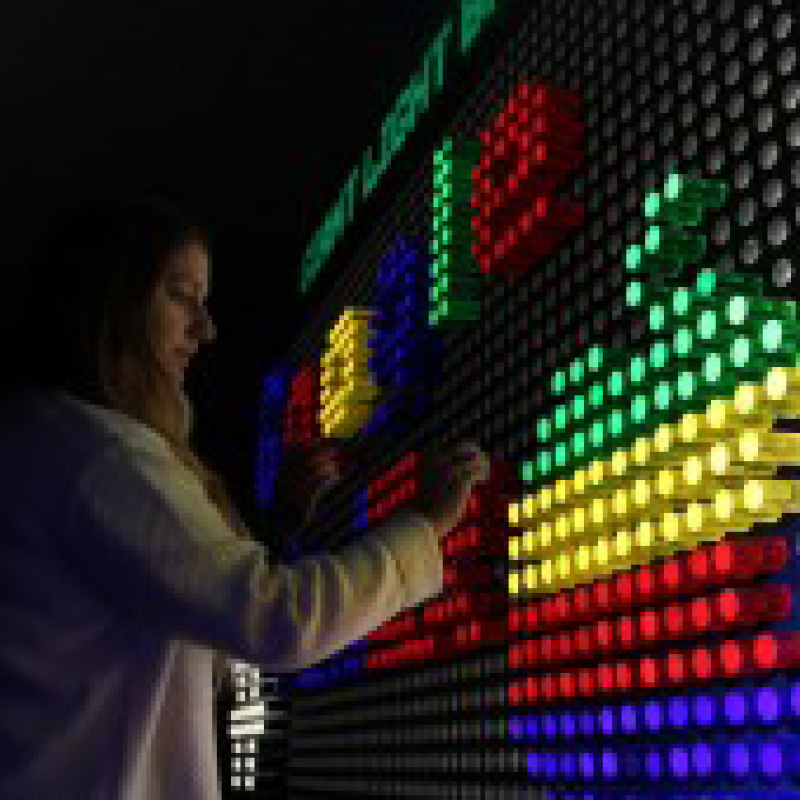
81, 322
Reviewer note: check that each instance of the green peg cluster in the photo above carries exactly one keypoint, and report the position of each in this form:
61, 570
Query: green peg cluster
707, 339
456, 278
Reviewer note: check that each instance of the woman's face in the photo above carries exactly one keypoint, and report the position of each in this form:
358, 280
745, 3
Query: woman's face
180, 320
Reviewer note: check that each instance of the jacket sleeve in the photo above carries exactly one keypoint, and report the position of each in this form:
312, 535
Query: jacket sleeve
142, 533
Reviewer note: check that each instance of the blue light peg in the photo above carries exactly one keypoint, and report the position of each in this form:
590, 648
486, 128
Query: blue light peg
740, 760
629, 719
704, 761
769, 704
653, 716
569, 767
705, 710
678, 711
735, 707
609, 763
568, 725
678, 762
586, 764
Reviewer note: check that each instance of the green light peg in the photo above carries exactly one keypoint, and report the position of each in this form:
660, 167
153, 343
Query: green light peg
634, 294
435, 293
681, 302
659, 355
708, 192
773, 336
437, 224
579, 406
438, 202
658, 317
595, 358
652, 204
447, 146
527, 471
616, 383
741, 352
543, 429
544, 462
707, 325
576, 371
687, 385
633, 258
561, 417
561, 454
444, 261
558, 382
639, 409
674, 245
616, 424
712, 368
597, 434
579, 444
638, 369
663, 395
596, 395
682, 342
438, 158
706, 282
737, 310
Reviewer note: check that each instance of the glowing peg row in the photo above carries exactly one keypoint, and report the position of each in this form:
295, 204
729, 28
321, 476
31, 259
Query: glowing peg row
756, 501
348, 389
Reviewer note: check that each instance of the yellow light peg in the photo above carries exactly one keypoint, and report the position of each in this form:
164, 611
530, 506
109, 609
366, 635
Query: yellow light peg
729, 511
619, 463
782, 388
757, 445
642, 453
598, 514
562, 491
564, 567
513, 582
513, 515
579, 481
620, 504
579, 521
622, 554
701, 524
545, 500
514, 548
562, 528
598, 473
529, 508
602, 556
583, 563
545, 536
547, 575
531, 578
666, 482
647, 539
769, 499
528, 543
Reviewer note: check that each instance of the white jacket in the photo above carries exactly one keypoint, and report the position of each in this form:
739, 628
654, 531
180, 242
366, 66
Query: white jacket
116, 576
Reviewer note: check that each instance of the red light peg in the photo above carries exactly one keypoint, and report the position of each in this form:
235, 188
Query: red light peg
674, 618
563, 608
774, 554
672, 576
533, 689
739, 560
701, 566
677, 668
604, 636
516, 694
777, 650
515, 616
549, 614
501, 120
564, 646
587, 682
583, 608
701, 615
753, 605
627, 633
735, 658
605, 679
500, 148
547, 649
583, 642
651, 672
533, 652
486, 139
486, 263
516, 656
624, 589
623, 676
532, 616
512, 132
603, 597
650, 625
705, 664
567, 685
549, 688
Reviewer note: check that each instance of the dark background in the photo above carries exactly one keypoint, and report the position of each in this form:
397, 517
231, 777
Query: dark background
250, 114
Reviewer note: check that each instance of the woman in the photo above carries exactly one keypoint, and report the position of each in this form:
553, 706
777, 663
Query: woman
125, 566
